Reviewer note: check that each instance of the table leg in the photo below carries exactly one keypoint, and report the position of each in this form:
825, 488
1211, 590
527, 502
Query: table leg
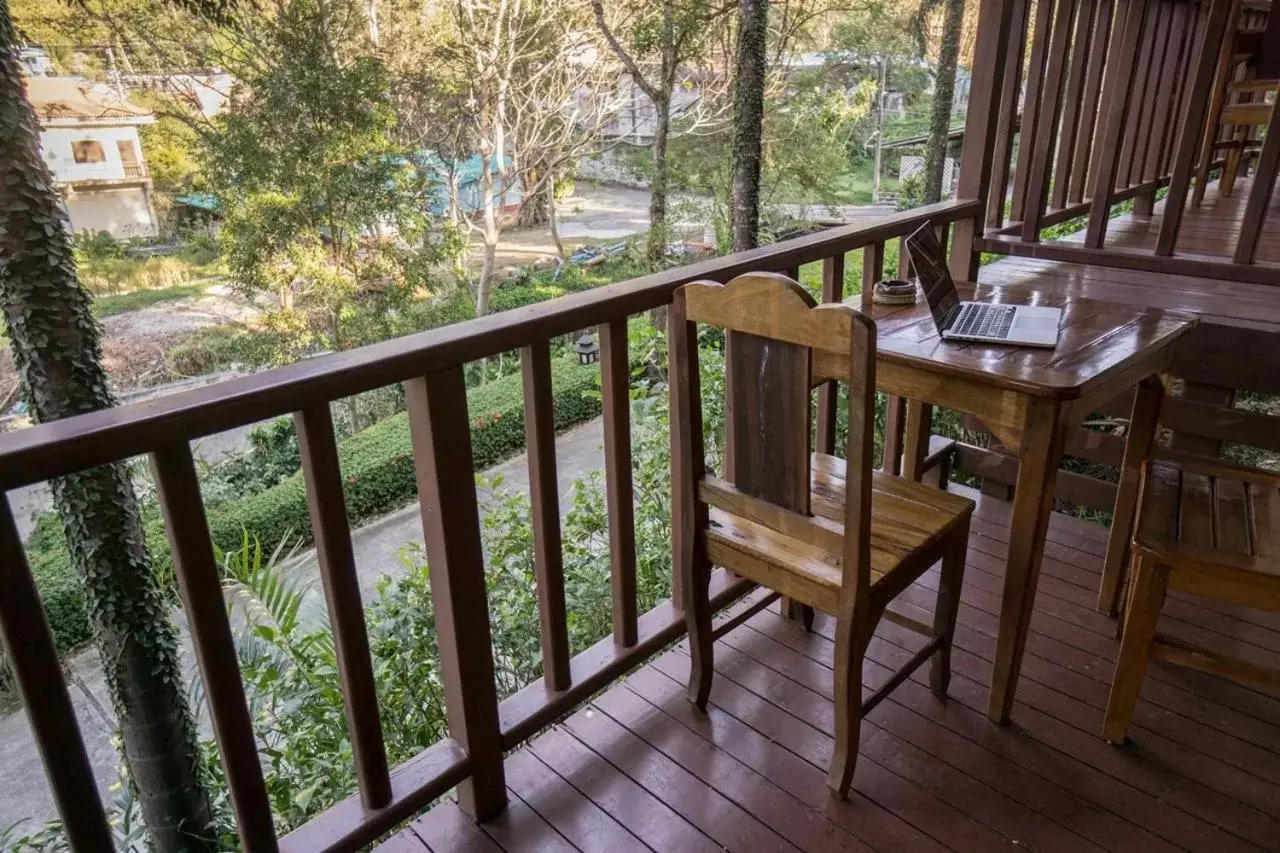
919, 428
1040, 452
1137, 450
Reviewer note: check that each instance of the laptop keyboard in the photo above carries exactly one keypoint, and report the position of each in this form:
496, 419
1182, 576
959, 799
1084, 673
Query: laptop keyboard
979, 320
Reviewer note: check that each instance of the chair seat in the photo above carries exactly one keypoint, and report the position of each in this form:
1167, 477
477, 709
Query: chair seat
1220, 523
908, 521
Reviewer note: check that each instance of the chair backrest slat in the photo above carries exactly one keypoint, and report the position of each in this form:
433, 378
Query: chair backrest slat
768, 422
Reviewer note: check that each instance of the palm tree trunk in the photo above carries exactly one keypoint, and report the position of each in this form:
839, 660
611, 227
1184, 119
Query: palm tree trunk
748, 133
57, 348
943, 96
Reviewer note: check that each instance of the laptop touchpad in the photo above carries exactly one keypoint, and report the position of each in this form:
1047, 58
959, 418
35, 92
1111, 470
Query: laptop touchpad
1032, 323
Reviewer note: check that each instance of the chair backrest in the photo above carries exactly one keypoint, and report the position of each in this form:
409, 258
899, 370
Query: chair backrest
772, 326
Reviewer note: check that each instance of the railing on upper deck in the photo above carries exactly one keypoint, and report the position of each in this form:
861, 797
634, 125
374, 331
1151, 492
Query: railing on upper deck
431, 367
1112, 97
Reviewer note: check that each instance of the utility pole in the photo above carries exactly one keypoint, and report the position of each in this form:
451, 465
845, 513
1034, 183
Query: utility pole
875, 178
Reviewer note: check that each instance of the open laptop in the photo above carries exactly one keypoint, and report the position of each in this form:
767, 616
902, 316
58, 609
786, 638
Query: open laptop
988, 322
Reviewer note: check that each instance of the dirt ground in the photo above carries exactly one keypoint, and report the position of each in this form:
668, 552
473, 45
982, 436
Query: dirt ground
134, 344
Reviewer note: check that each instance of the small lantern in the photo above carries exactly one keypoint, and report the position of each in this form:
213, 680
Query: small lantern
587, 349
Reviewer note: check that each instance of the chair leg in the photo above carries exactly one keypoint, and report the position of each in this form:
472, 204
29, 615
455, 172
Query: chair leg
1227, 184
697, 618
947, 608
1149, 582
851, 647
794, 610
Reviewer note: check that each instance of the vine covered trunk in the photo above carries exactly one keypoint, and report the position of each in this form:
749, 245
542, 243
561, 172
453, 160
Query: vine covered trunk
57, 349
748, 122
943, 95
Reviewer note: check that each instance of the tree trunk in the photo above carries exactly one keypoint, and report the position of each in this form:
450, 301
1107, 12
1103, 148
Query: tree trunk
489, 236
552, 223
748, 114
57, 348
658, 183
943, 95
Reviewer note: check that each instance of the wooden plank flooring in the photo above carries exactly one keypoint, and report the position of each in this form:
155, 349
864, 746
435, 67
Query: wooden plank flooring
640, 770
1210, 229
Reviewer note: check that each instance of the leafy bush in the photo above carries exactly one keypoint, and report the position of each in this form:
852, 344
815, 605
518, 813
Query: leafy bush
508, 298
377, 467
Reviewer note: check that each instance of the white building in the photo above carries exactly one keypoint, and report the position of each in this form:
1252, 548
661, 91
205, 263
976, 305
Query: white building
89, 138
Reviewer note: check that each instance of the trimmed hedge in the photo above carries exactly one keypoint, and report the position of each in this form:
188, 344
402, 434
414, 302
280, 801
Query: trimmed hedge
518, 296
377, 466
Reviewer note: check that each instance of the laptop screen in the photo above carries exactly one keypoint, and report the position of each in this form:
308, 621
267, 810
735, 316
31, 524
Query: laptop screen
930, 266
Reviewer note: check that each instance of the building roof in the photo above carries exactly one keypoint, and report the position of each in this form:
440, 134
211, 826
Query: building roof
77, 99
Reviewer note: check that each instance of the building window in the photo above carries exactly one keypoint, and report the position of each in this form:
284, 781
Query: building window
88, 151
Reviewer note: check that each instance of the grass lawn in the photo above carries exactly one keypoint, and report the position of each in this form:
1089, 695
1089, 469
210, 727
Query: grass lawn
122, 303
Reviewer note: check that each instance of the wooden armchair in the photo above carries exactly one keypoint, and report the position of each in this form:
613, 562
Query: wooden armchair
1209, 528
827, 533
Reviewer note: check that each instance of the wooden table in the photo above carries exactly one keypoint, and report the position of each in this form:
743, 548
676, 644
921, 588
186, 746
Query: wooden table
1028, 397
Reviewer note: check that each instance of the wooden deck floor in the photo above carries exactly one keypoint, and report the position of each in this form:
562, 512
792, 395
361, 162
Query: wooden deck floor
1209, 230
639, 769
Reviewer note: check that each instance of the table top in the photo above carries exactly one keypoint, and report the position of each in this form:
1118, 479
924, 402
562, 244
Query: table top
1096, 340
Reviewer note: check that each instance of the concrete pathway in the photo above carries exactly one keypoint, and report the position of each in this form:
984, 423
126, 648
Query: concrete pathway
24, 791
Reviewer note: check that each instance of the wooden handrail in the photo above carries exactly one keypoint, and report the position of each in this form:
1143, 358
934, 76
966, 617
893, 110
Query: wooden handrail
85, 441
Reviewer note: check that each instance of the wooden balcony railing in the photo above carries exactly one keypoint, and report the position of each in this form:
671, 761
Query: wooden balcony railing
431, 367
1098, 102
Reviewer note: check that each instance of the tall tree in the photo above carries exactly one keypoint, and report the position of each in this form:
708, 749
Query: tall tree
662, 36
944, 88
314, 186
56, 346
751, 65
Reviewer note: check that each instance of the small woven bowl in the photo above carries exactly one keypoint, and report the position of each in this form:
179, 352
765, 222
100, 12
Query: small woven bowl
894, 292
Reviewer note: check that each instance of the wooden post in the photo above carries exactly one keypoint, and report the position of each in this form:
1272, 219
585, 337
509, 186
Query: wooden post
37, 671
1014, 53
1264, 178
441, 436
1166, 105
615, 393
1073, 101
981, 123
828, 394
1031, 106
895, 417
320, 467
1098, 50
1049, 113
544, 495
200, 584
1139, 88
1192, 125
1115, 100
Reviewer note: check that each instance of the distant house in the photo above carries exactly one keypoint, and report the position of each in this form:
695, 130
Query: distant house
89, 138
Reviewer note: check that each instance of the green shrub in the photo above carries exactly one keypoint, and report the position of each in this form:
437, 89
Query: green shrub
507, 298
378, 474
